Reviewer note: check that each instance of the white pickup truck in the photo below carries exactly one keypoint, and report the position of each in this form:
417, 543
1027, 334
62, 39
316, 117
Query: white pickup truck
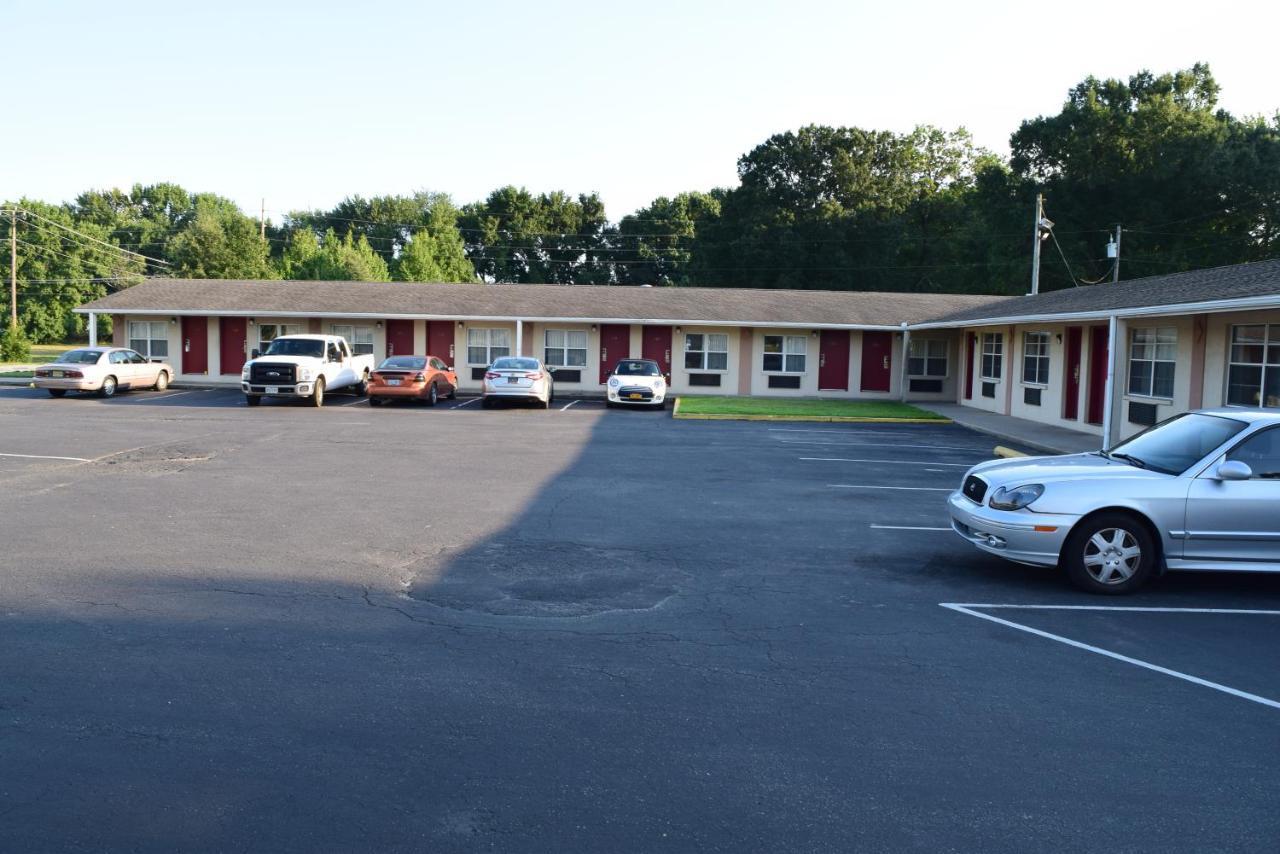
307, 366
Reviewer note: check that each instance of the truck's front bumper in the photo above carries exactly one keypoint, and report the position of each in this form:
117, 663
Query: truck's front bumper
299, 390
1034, 538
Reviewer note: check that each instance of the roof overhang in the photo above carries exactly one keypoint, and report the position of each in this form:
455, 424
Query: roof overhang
1202, 307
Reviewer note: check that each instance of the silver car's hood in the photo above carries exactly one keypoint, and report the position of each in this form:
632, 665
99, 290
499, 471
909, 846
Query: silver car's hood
1074, 467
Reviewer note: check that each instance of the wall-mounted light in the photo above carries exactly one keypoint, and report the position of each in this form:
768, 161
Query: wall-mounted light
378, 325
251, 321
1059, 337
173, 321
593, 327
814, 334
677, 330
461, 324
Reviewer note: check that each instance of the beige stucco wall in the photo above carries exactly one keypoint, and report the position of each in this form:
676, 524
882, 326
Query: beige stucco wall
1217, 350
535, 342
461, 364
680, 374
955, 366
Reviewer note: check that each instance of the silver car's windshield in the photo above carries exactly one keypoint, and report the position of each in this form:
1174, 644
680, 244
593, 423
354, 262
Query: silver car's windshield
296, 347
1175, 445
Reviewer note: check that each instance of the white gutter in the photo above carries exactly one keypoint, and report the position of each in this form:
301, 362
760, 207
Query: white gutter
470, 318
1201, 307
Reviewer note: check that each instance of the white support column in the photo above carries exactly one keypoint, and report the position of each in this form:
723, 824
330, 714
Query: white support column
903, 368
93, 329
1108, 401
519, 338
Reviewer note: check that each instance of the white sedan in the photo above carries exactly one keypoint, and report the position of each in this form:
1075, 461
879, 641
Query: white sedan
103, 370
636, 382
517, 378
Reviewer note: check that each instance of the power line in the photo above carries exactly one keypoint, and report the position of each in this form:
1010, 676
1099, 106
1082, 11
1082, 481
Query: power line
89, 237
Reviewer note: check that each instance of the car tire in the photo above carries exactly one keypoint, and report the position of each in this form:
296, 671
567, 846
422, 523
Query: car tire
609, 404
252, 399
362, 388
317, 395
432, 395
108, 388
56, 392
1110, 554
486, 403
453, 393
162, 381
375, 401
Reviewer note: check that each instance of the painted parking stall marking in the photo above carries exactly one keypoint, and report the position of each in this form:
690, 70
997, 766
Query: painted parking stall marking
47, 457
971, 609
903, 488
897, 462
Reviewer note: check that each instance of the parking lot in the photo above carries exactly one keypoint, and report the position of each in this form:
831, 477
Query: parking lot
413, 628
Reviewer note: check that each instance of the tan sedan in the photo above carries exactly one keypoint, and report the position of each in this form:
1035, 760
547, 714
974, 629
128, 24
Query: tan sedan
103, 370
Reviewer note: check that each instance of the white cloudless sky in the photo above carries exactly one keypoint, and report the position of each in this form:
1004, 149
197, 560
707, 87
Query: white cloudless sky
305, 103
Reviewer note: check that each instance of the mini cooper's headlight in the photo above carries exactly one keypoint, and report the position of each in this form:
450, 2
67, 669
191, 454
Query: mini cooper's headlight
1016, 498
613, 382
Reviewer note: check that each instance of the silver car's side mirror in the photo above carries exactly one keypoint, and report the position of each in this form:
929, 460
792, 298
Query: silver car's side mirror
1234, 470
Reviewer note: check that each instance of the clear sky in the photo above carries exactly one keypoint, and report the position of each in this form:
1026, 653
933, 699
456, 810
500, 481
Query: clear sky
305, 103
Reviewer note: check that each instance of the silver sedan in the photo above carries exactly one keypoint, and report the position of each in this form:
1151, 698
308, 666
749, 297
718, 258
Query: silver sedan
103, 370
1200, 491
517, 377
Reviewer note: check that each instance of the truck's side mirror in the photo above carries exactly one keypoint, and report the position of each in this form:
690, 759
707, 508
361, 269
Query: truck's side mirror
253, 354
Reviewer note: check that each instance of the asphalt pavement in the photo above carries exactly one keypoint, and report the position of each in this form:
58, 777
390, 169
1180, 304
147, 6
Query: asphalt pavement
448, 629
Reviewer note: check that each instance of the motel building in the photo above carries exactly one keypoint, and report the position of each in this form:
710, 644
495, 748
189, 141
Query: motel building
1107, 360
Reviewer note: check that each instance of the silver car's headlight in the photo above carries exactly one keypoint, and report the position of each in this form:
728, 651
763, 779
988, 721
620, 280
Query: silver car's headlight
1016, 498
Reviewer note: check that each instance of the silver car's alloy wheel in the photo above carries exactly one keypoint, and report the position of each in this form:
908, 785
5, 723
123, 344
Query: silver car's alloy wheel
1112, 556
108, 387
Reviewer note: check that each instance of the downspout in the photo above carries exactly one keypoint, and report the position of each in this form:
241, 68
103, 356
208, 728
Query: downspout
1108, 400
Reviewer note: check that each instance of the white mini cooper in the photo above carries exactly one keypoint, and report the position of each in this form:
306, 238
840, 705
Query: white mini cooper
636, 382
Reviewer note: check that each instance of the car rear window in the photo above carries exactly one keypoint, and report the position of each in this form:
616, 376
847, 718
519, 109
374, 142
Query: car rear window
80, 357
404, 363
513, 364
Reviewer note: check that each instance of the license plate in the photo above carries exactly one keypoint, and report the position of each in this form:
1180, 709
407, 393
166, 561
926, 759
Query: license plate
512, 380
393, 382
636, 396
273, 389
55, 373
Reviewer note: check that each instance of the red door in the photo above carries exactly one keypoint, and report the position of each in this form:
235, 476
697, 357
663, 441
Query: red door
440, 341
971, 346
877, 358
231, 341
615, 344
657, 346
400, 338
1098, 358
1071, 378
195, 345
833, 360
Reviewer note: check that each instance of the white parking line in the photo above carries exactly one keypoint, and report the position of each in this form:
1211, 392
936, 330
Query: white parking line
907, 528
1137, 662
879, 445
567, 405
900, 462
43, 457
353, 402
464, 403
907, 488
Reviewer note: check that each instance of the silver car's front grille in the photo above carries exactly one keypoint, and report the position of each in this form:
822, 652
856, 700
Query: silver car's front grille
974, 489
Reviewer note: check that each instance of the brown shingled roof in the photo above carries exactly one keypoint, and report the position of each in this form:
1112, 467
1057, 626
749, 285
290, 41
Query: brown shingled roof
729, 306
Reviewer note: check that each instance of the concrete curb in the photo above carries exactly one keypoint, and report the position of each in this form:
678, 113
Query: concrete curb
1007, 453
821, 419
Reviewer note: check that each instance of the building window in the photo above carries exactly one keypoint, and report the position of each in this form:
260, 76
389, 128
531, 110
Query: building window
150, 338
1035, 358
992, 355
359, 337
268, 332
1153, 353
927, 357
1253, 373
485, 345
706, 352
785, 353
566, 348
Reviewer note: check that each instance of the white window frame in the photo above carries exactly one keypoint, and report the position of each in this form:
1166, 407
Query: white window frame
557, 355
150, 339
1268, 365
928, 357
288, 329
493, 339
353, 337
1036, 350
1163, 336
996, 352
706, 351
791, 347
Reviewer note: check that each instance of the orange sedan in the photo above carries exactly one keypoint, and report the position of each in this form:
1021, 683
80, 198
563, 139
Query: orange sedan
418, 378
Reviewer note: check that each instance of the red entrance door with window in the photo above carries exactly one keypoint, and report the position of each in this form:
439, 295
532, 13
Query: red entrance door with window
833, 360
657, 346
1071, 378
1098, 358
195, 345
877, 360
231, 343
615, 344
400, 338
440, 341
971, 347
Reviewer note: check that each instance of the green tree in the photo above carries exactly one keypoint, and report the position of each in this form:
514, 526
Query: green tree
436, 253
218, 241
655, 244
333, 259
14, 346
515, 236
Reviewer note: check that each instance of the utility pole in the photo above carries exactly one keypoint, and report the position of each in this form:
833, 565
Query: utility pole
262, 222
1113, 250
1040, 232
13, 266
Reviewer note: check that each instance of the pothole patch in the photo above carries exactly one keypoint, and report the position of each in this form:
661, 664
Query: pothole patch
540, 579
165, 460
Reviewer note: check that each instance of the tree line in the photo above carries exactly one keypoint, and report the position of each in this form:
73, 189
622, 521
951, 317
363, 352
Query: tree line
818, 207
